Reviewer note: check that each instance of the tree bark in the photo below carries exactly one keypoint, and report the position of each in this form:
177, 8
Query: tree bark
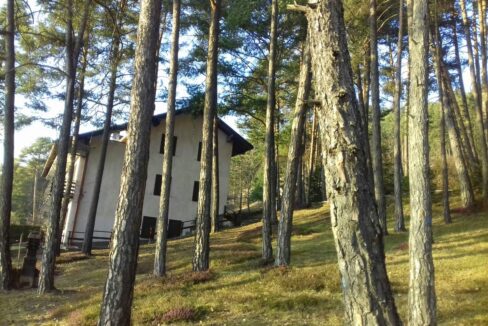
6, 179
376, 153
270, 182
163, 218
421, 294
73, 48
202, 234
283, 248
74, 144
397, 179
477, 95
114, 64
214, 210
119, 286
354, 218
482, 72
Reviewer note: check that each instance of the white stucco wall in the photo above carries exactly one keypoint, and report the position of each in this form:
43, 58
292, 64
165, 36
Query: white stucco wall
185, 172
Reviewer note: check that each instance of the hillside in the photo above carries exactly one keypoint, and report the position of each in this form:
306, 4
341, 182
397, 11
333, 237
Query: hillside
238, 290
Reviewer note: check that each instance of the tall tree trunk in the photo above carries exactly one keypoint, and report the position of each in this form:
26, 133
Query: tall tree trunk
467, 196
465, 112
376, 153
445, 171
400, 222
421, 294
294, 154
215, 178
119, 287
6, 179
73, 48
163, 218
477, 95
311, 162
202, 234
482, 72
114, 64
269, 182
358, 238
74, 145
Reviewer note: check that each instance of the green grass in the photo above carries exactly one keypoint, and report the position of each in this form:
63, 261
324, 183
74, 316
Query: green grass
239, 290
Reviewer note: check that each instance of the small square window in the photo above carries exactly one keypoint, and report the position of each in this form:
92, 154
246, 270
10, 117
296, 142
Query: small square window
161, 146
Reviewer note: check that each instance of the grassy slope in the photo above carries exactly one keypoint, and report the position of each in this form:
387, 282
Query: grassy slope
242, 292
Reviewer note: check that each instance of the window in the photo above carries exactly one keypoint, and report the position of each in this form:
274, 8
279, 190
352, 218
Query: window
157, 185
199, 154
196, 187
161, 146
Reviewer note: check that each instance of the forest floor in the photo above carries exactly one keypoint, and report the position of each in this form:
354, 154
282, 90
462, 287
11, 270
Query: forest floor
240, 291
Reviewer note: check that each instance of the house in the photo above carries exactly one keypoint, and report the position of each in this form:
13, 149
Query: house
184, 183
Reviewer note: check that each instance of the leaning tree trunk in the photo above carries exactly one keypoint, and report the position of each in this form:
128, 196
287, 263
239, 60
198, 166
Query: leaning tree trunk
114, 64
359, 241
421, 294
6, 179
74, 145
119, 286
376, 154
465, 112
73, 47
477, 95
162, 225
294, 154
270, 180
397, 179
214, 209
202, 234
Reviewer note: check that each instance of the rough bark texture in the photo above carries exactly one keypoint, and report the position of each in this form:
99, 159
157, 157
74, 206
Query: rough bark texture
421, 294
482, 72
397, 177
358, 238
6, 180
74, 144
119, 287
477, 95
214, 209
162, 224
269, 182
114, 64
376, 156
46, 275
294, 153
202, 234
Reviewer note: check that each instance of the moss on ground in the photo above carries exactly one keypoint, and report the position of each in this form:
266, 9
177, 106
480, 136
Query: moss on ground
239, 290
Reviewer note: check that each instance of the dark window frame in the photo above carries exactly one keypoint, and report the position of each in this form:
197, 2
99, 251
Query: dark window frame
196, 190
161, 145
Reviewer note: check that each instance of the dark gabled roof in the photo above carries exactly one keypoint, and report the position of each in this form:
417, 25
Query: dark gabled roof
240, 145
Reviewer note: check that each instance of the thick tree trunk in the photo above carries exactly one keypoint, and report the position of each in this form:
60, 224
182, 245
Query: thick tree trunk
6, 179
475, 88
73, 47
358, 238
74, 144
421, 294
397, 178
119, 287
214, 210
163, 218
465, 112
294, 153
114, 64
270, 180
202, 234
376, 153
